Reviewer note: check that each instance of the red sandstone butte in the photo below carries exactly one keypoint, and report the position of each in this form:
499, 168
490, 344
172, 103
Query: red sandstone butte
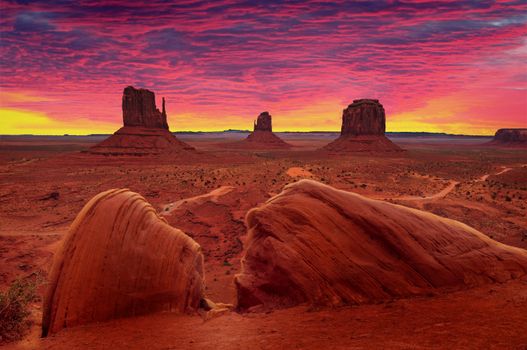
263, 122
363, 127
145, 130
262, 136
139, 109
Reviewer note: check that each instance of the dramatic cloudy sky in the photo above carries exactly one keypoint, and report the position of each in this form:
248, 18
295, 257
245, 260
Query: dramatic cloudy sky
449, 66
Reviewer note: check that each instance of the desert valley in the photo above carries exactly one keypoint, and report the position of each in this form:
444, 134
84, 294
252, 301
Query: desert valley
275, 174
269, 240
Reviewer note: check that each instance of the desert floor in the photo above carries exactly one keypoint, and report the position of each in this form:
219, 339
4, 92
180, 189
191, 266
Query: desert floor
45, 181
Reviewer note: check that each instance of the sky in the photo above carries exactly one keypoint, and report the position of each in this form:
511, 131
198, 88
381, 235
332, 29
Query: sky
437, 66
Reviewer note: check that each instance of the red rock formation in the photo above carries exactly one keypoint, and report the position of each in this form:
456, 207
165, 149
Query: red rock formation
139, 109
318, 245
262, 137
510, 137
145, 130
363, 127
139, 141
362, 143
263, 122
363, 117
263, 140
119, 258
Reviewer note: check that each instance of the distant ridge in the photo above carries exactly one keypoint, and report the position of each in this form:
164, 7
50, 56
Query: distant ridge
183, 132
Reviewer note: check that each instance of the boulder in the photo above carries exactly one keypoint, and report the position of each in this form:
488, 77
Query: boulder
316, 245
118, 259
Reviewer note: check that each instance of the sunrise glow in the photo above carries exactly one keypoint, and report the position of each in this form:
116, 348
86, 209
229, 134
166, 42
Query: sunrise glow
456, 67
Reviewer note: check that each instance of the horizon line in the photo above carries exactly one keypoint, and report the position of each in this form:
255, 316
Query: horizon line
248, 131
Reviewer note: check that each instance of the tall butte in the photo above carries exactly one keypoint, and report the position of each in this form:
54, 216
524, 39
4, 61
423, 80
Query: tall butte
262, 136
145, 130
363, 127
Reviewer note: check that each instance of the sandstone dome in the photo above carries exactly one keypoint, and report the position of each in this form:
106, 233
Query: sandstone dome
318, 245
120, 258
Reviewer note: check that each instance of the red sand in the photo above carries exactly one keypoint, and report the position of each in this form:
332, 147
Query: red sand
32, 220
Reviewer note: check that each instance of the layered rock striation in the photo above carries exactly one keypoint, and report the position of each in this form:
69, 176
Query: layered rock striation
363, 128
118, 259
145, 130
313, 244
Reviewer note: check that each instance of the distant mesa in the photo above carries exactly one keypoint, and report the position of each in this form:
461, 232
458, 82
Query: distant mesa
363, 128
119, 259
510, 137
316, 245
363, 117
145, 130
262, 137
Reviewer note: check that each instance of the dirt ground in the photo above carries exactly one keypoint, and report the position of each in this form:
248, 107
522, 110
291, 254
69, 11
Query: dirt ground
44, 182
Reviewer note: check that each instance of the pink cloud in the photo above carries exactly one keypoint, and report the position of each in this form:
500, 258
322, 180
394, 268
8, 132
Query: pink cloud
230, 60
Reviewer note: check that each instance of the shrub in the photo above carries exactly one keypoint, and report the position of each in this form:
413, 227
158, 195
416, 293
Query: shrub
14, 308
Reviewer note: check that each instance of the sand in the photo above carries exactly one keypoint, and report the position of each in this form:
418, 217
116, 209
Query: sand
31, 227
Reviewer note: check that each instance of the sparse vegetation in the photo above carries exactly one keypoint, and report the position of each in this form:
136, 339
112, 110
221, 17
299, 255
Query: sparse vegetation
14, 308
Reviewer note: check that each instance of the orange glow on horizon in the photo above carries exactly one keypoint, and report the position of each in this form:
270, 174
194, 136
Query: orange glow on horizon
458, 68
20, 122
